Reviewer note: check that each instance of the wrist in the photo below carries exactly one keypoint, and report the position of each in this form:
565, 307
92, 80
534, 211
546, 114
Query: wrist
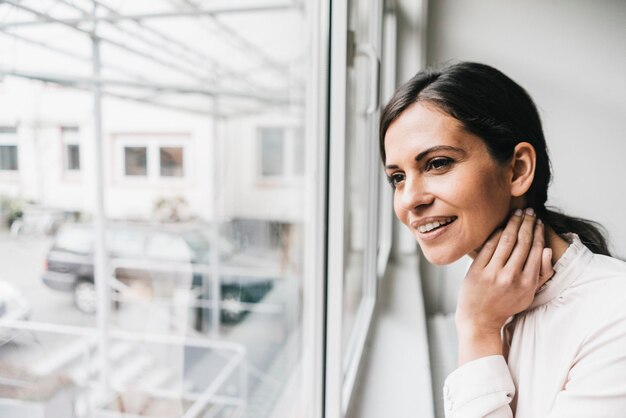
478, 340
472, 327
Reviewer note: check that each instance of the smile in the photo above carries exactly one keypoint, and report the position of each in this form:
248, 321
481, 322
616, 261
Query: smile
435, 225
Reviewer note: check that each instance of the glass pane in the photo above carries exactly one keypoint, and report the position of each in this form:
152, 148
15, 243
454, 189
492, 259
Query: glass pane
171, 161
8, 157
135, 161
272, 151
195, 308
73, 157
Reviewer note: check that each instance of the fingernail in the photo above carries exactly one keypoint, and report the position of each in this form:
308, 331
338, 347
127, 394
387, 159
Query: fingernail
518, 212
539, 221
530, 211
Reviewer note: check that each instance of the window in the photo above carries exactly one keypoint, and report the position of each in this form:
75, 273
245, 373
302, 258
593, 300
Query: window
8, 148
8, 157
272, 152
171, 161
72, 153
241, 334
71, 141
136, 161
151, 158
281, 152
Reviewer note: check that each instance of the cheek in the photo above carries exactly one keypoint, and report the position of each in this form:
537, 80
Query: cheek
492, 202
401, 213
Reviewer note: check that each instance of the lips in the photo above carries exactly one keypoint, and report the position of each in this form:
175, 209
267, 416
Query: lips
430, 228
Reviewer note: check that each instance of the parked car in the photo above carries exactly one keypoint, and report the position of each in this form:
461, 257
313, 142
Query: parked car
146, 253
14, 306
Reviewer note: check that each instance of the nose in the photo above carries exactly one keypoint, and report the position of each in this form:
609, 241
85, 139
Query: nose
414, 194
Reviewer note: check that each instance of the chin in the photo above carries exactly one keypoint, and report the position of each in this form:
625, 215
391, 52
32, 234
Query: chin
441, 258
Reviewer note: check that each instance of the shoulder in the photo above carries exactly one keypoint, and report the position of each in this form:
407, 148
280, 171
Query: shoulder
600, 296
603, 276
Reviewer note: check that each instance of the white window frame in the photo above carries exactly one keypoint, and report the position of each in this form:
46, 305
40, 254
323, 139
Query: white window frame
342, 363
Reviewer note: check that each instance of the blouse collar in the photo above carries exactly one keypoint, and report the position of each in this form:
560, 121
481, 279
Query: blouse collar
567, 269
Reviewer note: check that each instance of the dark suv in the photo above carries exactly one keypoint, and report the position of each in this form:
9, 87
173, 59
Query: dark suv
159, 258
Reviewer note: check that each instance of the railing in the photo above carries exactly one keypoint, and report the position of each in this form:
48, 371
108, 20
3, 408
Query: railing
90, 403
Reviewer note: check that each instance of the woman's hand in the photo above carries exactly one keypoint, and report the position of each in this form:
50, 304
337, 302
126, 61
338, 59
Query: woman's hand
501, 282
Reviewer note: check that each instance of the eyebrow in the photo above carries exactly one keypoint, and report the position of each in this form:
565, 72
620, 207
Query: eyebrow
423, 154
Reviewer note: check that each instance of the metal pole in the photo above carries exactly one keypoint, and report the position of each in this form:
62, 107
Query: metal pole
100, 257
216, 289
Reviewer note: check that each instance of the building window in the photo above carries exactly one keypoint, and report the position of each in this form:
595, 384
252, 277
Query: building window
72, 157
272, 152
71, 141
171, 161
8, 157
280, 153
8, 148
136, 161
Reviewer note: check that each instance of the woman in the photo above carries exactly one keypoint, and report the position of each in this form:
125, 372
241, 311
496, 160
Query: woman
541, 314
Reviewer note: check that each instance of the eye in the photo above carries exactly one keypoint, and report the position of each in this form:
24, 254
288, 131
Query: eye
394, 179
439, 164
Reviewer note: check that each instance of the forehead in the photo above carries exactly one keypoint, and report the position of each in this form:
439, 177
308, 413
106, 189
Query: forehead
422, 126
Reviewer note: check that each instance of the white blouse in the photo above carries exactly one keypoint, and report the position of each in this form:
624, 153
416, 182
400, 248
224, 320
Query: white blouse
567, 356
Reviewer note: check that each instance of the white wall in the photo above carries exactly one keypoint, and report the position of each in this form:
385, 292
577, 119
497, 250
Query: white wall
569, 55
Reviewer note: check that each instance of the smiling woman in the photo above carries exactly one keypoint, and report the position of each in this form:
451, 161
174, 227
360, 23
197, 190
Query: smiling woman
464, 151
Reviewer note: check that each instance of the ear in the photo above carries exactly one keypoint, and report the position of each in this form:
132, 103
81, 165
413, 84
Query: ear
523, 168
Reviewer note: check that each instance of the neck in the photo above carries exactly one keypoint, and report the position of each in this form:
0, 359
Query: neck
556, 243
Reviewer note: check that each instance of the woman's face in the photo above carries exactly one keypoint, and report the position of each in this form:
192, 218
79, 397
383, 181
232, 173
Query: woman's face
448, 190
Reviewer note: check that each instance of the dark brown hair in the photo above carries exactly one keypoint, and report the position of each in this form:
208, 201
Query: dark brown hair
499, 111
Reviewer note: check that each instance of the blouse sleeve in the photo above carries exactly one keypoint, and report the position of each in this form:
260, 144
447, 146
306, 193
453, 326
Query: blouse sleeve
480, 388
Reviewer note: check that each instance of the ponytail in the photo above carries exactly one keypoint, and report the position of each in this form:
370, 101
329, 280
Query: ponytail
591, 234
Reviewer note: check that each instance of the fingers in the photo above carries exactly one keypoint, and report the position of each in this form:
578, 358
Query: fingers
546, 271
523, 237
532, 266
525, 240
508, 238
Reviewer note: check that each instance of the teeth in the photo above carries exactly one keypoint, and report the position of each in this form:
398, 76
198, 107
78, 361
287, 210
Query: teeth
433, 225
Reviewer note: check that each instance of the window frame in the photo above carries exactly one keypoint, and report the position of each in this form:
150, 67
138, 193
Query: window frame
342, 369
